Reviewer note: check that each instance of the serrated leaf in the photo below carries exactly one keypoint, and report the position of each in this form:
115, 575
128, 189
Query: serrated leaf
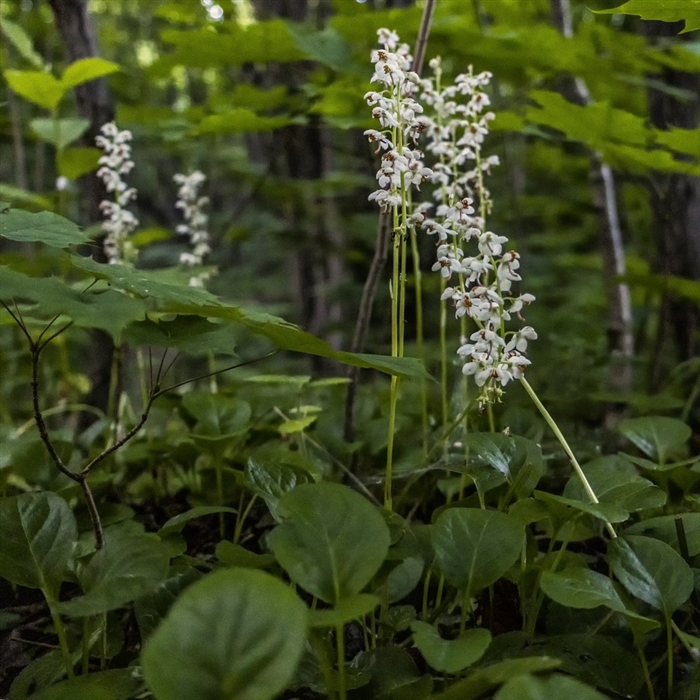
666, 11
87, 69
193, 335
38, 87
450, 655
59, 132
110, 310
259, 627
44, 226
331, 541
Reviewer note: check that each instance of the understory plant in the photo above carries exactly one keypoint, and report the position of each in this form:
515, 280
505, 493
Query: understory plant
203, 541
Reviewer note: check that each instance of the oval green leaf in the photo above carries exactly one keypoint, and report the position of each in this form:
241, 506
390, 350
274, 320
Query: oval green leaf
38, 533
237, 634
331, 542
474, 548
660, 438
652, 571
450, 655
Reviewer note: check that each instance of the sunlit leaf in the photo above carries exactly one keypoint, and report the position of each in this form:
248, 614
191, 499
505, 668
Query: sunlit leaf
87, 69
38, 87
666, 11
59, 132
44, 226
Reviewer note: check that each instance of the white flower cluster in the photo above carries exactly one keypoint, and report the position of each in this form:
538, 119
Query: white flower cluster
398, 114
119, 222
456, 123
196, 220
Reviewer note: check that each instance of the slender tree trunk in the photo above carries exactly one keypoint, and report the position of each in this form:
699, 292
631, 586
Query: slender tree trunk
675, 203
94, 103
620, 325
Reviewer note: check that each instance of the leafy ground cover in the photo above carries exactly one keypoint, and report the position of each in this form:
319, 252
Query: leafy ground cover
217, 531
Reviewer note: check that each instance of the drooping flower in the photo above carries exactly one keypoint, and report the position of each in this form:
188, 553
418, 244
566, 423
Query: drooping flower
195, 225
118, 221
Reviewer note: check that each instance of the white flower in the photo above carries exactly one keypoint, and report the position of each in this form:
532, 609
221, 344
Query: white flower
119, 222
196, 221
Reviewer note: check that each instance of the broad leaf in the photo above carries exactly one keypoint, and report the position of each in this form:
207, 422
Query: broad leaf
76, 162
608, 512
474, 548
38, 533
237, 634
87, 69
44, 226
116, 684
349, 609
218, 415
665, 528
131, 564
59, 132
658, 437
393, 676
21, 41
651, 571
271, 480
582, 588
241, 121
615, 481
38, 87
234, 555
450, 655
554, 686
331, 542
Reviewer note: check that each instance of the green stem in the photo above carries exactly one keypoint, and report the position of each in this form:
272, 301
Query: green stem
418, 280
426, 593
669, 666
443, 358
340, 644
242, 515
62, 636
219, 469
562, 440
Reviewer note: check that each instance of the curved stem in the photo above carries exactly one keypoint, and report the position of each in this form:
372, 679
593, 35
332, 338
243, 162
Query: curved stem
562, 440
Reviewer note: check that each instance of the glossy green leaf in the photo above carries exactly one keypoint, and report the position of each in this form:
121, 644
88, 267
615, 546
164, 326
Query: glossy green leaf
666, 11
331, 541
38, 87
664, 528
481, 680
271, 480
45, 227
450, 655
615, 480
651, 571
38, 533
59, 132
87, 69
583, 588
554, 686
609, 512
349, 609
131, 564
76, 162
518, 459
116, 684
21, 41
474, 548
177, 522
658, 437
237, 634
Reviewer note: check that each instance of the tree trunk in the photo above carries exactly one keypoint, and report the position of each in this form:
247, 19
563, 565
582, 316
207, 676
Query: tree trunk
675, 203
95, 104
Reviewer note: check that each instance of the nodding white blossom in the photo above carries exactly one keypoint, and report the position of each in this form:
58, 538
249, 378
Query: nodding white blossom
455, 120
196, 220
398, 114
118, 222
